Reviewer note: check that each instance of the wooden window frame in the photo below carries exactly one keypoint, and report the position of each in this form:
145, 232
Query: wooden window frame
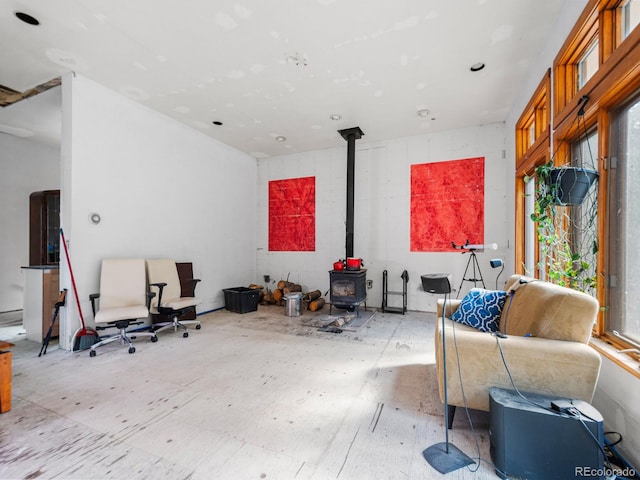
537, 112
565, 65
611, 20
615, 81
529, 156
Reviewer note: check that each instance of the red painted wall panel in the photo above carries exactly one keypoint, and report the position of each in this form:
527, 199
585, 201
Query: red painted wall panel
447, 204
292, 215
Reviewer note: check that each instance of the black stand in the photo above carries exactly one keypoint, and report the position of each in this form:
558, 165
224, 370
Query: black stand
385, 294
477, 274
444, 457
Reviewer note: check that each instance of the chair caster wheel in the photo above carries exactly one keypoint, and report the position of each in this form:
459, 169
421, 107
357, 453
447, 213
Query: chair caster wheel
185, 334
132, 349
92, 353
198, 327
154, 339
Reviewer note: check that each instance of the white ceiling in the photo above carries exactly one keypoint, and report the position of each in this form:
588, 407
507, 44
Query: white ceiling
374, 62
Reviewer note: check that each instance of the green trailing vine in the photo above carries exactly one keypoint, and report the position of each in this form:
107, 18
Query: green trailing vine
567, 238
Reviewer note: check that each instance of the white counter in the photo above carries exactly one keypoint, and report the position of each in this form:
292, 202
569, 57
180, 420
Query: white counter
40, 295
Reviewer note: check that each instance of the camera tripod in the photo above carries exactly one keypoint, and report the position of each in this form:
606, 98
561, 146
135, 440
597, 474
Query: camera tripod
475, 266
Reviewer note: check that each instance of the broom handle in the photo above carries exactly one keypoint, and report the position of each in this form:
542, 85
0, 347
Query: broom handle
73, 280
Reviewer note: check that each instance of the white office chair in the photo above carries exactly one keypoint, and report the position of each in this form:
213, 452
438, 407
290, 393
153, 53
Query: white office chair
164, 282
124, 301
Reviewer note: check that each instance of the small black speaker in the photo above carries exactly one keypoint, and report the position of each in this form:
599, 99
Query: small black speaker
436, 283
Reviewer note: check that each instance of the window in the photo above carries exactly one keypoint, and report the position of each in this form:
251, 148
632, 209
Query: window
630, 16
577, 62
530, 238
533, 125
584, 150
532, 134
584, 217
588, 65
566, 233
532, 149
624, 228
600, 61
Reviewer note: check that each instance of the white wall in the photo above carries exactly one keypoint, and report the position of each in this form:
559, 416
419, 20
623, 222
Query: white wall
616, 399
382, 196
27, 167
162, 190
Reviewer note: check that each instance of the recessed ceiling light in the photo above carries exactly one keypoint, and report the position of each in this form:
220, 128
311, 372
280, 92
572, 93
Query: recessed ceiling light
26, 18
476, 67
335, 116
423, 113
281, 139
217, 123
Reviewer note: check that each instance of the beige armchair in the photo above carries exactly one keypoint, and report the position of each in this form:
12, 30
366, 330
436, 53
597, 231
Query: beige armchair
546, 331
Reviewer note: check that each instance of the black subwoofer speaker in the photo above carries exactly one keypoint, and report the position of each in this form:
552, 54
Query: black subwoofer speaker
530, 440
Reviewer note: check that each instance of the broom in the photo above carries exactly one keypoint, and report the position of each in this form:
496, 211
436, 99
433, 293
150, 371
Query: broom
84, 337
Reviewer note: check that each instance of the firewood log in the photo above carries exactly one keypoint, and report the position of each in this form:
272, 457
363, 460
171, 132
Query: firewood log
316, 304
277, 294
310, 296
292, 288
282, 284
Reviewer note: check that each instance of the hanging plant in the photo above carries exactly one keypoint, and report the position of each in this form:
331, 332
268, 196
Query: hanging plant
565, 213
564, 186
571, 184
568, 248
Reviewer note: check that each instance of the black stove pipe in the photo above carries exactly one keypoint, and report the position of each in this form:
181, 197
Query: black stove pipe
350, 135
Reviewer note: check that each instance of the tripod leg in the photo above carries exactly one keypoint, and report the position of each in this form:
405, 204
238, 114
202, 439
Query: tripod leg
464, 275
479, 277
475, 274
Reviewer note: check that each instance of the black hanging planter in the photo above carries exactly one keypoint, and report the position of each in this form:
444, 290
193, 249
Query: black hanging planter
571, 184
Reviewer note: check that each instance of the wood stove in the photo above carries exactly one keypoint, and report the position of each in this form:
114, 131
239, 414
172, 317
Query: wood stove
348, 288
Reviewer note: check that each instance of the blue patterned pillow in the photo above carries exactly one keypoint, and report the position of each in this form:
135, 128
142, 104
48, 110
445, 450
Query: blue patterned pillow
481, 309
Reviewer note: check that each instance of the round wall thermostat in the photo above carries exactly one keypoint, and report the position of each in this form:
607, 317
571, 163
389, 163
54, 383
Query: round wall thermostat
94, 218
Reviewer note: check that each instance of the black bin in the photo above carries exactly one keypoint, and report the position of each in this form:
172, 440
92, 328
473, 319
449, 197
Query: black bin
241, 299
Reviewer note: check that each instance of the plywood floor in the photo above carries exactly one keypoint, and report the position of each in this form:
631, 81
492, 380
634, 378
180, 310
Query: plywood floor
253, 396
